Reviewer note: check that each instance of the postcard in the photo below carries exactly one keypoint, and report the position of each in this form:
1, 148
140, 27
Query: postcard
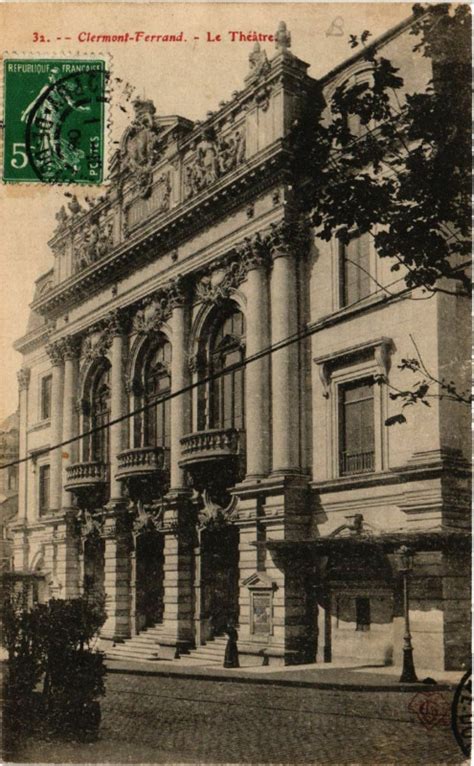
235, 390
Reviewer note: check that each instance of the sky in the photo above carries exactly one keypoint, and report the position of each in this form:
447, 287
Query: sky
188, 79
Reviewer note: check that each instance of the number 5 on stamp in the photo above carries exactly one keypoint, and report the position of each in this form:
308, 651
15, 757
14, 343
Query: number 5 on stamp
54, 117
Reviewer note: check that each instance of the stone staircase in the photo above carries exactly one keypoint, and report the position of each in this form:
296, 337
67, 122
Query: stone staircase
211, 653
141, 648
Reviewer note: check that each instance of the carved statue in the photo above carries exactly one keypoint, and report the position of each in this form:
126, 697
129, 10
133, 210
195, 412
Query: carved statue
214, 157
94, 242
141, 145
259, 64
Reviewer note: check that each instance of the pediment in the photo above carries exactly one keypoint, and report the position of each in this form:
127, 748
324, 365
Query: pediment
261, 581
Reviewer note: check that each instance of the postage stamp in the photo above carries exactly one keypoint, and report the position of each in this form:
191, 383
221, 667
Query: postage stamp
54, 117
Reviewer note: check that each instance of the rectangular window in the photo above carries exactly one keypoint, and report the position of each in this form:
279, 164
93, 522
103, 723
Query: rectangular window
46, 397
44, 474
362, 613
354, 270
356, 427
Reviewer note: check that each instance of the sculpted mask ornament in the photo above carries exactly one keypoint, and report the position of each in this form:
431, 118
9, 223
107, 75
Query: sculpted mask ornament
141, 145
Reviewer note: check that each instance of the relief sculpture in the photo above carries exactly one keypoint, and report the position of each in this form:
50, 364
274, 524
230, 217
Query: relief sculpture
215, 156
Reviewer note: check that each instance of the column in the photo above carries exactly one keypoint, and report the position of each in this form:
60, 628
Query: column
23, 376
118, 402
118, 542
71, 373
55, 352
257, 377
180, 377
285, 362
178, 543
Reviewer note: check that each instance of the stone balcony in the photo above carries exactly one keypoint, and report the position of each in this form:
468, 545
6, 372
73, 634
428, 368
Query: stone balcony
144, 471
88, 482
215, 455
141, 461
212, 445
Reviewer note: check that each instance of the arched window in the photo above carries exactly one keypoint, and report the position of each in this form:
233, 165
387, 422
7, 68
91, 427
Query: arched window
100, 416
157, 383
226, 393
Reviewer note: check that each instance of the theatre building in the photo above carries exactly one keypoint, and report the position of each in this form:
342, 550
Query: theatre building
213, 481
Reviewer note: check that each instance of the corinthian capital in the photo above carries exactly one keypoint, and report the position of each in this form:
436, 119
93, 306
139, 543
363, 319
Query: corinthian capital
117, 322
253, 252
177, 292
280, 239
23, 376
71, 347
55, 352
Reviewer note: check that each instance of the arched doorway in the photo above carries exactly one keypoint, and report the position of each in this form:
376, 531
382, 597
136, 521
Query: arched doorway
149, 579
220, 577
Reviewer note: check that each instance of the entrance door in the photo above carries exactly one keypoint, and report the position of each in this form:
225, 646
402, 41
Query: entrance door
220, 577
149, 579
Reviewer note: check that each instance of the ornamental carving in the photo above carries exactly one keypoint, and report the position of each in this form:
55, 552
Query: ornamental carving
258, 63
141, 148
92, 242
94, 349
23, 376
147, 518
55, 352
217, 287
140, 208
215, 156
212, 515
91, 524
71, 347
151, 318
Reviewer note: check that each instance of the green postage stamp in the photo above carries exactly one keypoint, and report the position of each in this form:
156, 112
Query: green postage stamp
54, 118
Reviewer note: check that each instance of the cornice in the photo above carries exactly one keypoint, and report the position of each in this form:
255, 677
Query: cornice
178, 225
32, 340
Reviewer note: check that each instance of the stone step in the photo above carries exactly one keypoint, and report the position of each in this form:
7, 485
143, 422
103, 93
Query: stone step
144, 651
131, 656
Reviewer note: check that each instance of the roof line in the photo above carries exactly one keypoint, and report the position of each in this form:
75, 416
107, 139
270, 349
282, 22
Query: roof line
383, 39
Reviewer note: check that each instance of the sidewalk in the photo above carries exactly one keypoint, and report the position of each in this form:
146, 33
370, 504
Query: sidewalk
325, 676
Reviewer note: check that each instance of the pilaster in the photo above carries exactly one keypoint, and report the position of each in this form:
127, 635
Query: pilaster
23, 376
67, 556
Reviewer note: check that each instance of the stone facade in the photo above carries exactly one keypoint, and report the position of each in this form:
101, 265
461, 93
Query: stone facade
194, 497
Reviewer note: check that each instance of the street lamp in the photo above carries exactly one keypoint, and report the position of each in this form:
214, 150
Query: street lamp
405, 557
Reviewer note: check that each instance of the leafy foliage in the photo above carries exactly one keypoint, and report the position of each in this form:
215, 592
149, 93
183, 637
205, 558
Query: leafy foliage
51, 643
397, 165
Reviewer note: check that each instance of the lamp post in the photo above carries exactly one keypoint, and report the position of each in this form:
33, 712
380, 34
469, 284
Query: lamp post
406, 557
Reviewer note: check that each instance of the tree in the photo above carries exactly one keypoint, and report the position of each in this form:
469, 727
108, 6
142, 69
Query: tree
396, 165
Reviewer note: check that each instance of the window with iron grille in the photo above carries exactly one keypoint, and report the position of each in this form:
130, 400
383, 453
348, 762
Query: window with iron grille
44, 484
356, 427
46, 397
362, 613
100, 416
226, 393
157, 383
354, 270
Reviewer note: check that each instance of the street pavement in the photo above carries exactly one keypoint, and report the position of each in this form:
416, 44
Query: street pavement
153, 719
